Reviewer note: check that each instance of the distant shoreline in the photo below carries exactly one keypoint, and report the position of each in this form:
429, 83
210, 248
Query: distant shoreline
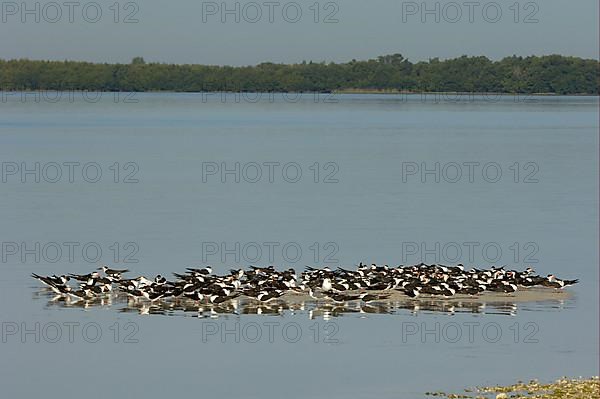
459, 93
342, 91
547, 75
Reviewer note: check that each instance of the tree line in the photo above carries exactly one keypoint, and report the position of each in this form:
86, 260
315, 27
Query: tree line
534, 74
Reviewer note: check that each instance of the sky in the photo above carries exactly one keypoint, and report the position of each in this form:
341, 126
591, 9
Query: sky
244, 32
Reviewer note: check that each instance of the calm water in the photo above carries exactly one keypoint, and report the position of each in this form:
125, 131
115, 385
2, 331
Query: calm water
360, 197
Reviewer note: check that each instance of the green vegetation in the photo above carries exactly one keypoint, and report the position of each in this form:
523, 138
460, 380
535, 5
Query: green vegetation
547, 74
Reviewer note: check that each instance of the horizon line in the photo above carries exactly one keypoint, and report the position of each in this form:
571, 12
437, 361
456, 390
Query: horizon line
300, 63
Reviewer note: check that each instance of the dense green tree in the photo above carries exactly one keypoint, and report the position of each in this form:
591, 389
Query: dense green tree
547, 74
138, 61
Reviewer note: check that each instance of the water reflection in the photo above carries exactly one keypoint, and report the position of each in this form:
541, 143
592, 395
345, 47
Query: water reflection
301, 305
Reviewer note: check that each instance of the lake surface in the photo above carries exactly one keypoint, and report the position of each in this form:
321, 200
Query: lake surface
159, 182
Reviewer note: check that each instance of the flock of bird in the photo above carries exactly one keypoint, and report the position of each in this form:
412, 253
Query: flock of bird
367, 283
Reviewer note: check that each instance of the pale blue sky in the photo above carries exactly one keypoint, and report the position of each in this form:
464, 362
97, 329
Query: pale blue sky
174, 31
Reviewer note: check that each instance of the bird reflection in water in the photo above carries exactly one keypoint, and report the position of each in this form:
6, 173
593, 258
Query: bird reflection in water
295, 305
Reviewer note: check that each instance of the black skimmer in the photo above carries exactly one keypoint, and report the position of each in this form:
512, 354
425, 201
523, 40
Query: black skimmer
55, 283
552, 281
339, 297
366, 297
267, 296
341, 285
204, 271
114, 274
